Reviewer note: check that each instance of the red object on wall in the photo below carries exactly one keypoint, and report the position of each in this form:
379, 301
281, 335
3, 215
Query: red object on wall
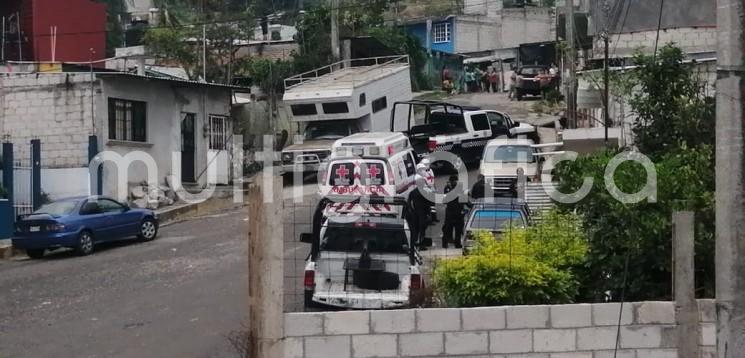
81, 26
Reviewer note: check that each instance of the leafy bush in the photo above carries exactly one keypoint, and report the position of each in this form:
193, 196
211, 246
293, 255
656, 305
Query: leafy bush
643, 230
526, 266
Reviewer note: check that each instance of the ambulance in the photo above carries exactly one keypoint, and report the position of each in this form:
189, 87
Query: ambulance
364, 164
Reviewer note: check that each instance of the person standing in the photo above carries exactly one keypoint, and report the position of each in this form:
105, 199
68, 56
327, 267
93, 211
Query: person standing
452, 228
478, 190
470, 80
422, 205
493, 79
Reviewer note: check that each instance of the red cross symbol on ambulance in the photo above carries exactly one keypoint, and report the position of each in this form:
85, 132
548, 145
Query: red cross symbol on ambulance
373, 171
342, 172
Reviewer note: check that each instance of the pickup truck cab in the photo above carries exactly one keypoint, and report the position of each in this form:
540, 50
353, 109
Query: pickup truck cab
438, 126
380, 163
362, 257
318, 138
503, 157
502, 125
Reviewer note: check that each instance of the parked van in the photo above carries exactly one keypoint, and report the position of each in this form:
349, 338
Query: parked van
370, 164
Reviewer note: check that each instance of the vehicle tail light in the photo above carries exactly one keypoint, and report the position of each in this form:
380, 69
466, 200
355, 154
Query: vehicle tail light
431, 145
416, 281
310, 279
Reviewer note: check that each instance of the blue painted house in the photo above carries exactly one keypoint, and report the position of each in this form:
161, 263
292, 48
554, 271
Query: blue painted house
442, 37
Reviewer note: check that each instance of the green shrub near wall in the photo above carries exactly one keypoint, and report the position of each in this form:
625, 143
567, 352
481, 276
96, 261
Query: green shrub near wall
526, 266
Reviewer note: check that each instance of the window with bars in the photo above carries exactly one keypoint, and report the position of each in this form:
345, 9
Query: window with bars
218, 133
441, 32
127, 120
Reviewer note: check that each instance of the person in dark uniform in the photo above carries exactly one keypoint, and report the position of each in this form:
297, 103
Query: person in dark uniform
478, 190
453, 217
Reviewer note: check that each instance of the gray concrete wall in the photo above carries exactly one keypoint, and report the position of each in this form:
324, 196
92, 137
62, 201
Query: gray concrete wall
689, 39
55, 108
648, 329
527, 25
644, 15
166, 102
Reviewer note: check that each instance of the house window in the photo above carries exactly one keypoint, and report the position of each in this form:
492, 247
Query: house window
218, 133
441, 32
335, 107
127, 120
363, 99
379, 104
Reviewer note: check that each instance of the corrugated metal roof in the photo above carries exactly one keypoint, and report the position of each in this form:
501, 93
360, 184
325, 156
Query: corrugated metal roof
181, 81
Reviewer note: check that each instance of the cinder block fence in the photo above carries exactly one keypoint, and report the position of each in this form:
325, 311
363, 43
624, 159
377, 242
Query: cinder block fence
648, 329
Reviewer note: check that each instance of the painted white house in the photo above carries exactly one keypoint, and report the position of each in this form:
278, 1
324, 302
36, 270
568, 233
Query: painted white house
126, 113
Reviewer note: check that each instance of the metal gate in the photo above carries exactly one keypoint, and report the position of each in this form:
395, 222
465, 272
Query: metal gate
23, 183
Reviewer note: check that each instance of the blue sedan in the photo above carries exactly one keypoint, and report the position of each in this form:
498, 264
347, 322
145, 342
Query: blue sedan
80, 223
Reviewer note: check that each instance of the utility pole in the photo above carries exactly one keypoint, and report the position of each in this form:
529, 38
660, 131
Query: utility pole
266, 264
571, 87
606, 82
335, 30
730, 179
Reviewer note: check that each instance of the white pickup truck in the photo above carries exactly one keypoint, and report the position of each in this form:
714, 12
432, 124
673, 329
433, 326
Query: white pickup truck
438, 126
361, 257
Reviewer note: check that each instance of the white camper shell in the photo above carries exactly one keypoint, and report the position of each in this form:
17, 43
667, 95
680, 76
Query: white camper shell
340, 99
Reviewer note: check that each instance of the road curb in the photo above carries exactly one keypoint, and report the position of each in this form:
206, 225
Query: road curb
168, 216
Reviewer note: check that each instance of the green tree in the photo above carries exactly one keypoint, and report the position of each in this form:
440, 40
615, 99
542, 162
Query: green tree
525, 266
115, 9
675, 129
670, 103
642, 231
407, 44
181, 39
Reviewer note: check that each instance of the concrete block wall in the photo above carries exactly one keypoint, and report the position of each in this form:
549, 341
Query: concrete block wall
690, 39
647, 329
55, 108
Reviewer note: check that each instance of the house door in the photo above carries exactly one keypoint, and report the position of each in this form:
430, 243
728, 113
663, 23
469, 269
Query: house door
188, 147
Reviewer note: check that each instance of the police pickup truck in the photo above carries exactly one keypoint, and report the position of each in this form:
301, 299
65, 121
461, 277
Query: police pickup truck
362, 255
438, 126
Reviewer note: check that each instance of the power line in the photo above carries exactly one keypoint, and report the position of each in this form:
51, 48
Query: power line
659, 25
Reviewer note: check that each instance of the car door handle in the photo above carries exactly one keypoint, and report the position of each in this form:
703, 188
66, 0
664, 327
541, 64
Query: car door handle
475, 135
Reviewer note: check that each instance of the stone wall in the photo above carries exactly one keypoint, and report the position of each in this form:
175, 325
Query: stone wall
648, 329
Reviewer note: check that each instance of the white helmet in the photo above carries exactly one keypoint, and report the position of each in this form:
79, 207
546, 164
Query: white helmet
425, 162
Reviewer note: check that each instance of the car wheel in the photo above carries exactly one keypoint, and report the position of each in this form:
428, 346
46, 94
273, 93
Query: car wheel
35, 253
85, 243
148, 230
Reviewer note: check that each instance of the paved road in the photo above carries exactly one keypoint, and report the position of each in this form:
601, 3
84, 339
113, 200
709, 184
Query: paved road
178, 296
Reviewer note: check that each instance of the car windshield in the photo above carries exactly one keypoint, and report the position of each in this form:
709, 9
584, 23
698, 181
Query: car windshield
330, 130
349, 239
509, 154
496, 219
531, 70
58, 208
